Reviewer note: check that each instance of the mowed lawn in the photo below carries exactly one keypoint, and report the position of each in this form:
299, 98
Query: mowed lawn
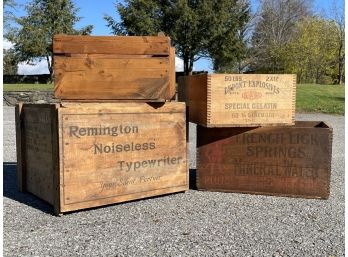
320, 98
309, 97
28, 87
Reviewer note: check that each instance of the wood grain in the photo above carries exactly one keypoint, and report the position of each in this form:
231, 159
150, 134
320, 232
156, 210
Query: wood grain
134, 45
114, 68
194, 91
287, 161
38, 151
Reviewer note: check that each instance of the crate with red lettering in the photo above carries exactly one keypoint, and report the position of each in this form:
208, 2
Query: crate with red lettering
77, 156
286, 161
239, 100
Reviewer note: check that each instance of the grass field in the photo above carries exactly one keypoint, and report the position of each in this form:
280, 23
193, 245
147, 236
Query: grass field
309, 97
25, 87
320, 98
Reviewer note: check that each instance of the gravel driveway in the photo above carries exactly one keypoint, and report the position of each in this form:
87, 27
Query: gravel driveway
184, 224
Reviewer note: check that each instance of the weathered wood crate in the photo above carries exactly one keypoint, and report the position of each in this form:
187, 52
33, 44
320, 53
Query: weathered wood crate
114, 68
239, 100
77, 156
287, 161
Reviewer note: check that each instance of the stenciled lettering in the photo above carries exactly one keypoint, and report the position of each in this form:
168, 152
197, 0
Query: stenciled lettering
129, 166
78, 132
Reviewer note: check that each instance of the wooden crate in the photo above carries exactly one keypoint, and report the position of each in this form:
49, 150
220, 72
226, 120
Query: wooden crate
114, 68
239, 100
77, 156
286, 161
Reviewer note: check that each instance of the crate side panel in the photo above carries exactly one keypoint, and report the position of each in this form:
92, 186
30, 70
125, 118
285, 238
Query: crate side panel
193, 90
37, 123
117, 154
148, 45
252, 99
105, 78
282, 161
172, 82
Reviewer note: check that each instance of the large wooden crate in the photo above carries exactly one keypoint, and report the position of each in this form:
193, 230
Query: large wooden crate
239, 100
114, 68
77, 156
285, 161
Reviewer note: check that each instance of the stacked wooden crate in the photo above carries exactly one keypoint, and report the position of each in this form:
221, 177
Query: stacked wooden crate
116, 135
248, 140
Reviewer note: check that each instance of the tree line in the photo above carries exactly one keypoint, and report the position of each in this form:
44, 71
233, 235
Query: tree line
282, 36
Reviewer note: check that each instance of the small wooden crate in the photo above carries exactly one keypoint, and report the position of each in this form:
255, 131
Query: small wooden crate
239, 100
77, 156
114, 68
286, 161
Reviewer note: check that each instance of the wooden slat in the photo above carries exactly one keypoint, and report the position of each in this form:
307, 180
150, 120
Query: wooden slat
286, 161
111, 45
172, 82
112, 84
88, 62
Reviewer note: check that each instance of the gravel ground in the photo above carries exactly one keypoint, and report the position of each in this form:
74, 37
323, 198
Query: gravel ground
185, 224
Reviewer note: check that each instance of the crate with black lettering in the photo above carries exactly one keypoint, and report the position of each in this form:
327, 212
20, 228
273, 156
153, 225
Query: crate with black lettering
239, 100
285, 161
77, 156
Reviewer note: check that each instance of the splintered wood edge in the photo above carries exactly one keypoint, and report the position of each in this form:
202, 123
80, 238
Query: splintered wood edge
208, 118
294, 80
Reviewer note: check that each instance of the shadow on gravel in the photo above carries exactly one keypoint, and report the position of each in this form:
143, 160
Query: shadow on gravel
192, 179
11, 190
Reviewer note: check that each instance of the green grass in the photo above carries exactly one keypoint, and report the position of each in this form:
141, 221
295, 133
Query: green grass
28, 87
309, 97
320, 98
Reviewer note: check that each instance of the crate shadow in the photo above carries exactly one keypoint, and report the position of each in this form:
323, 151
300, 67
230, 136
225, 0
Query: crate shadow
11, 190
192, 179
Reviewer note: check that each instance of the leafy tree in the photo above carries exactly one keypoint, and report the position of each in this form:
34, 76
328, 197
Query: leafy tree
227, 48
197, 28
10, 62
8, 6
312, 52
273, 30
45, 18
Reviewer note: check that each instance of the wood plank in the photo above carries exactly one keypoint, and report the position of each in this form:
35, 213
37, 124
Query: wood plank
38, 151
112, 84
20, 148
111, 45
87, 63
287, 161
172, 82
